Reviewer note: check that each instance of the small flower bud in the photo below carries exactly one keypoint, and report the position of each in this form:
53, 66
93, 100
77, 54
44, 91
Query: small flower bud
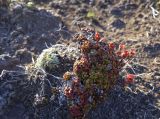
129, 78
97, 36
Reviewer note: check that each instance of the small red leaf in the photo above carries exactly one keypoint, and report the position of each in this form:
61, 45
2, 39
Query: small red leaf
97, 36
129, 78
111, 46
122, 46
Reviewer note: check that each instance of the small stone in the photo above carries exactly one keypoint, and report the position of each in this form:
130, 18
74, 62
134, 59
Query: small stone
17, 8
153, 50
117, 12
119, 24
131, 6
24, 55
14, 34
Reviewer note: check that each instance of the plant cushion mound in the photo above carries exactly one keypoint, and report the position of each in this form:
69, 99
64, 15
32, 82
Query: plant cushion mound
94, 73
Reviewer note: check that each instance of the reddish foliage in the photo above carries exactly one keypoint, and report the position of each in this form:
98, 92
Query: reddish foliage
95, 72
122, 46
111, 46
75, 111
125, 54
97, 36
132, 52
129, 78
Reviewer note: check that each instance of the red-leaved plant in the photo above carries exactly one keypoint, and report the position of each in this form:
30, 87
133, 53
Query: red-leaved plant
95, 72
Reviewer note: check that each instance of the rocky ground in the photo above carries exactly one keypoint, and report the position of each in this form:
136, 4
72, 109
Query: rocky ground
26, 29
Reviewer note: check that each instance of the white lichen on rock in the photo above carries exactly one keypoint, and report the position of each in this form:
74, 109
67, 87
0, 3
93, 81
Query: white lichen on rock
47, 58
50, 57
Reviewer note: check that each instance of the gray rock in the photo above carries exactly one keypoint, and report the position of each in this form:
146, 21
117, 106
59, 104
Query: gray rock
152, 49
7, 62
117, 12
119, 24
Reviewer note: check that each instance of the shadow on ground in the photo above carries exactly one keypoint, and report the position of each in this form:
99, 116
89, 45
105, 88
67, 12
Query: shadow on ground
120, 104
127, 105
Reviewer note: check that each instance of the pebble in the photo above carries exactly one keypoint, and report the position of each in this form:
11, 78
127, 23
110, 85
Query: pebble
119, 24
117, 12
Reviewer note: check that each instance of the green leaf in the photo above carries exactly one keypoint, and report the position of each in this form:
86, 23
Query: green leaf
90, 14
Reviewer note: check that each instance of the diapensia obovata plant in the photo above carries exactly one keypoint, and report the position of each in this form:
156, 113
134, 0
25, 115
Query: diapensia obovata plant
97, 66
95, 72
